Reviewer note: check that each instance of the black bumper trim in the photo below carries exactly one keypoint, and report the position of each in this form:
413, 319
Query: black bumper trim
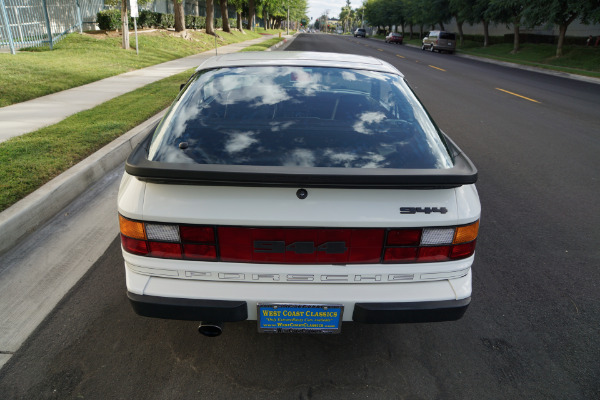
188, 309
395, 313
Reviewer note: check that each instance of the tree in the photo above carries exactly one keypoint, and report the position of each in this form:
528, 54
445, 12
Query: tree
239, 9
124, 25
179, 15
124, 18
509, 12
561, 13
210, 16
251, 14
224, 16
460, 11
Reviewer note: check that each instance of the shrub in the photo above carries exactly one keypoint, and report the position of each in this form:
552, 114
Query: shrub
149, 19
109, 20
166, 21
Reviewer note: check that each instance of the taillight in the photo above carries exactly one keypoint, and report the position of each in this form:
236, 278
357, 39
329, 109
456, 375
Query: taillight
298, 245
430, 244
168, 240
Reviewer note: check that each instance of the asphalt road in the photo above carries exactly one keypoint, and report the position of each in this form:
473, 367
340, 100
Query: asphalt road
532, 330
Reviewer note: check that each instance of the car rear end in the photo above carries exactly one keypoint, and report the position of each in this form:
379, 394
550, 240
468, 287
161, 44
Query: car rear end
440, 41
324, 201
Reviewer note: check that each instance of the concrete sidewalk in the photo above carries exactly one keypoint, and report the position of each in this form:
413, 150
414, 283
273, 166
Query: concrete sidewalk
47, 110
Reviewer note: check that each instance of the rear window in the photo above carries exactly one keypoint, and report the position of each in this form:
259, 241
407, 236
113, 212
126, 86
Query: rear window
298, 116
447, 36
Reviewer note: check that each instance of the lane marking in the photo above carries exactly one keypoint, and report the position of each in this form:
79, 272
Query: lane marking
380, 49
441, 69
518, 95
398, 55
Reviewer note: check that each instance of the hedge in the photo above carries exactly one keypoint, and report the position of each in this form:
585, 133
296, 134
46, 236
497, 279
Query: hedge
110, 20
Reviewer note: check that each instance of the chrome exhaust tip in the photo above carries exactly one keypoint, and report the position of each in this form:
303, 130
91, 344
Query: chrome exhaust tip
210, 329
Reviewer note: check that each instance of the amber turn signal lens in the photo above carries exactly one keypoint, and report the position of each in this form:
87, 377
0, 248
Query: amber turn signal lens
466, 234
132, 229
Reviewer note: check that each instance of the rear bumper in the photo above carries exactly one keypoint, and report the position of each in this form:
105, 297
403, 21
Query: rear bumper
234, 311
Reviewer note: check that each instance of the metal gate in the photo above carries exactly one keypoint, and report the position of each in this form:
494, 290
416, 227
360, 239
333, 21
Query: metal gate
27, 23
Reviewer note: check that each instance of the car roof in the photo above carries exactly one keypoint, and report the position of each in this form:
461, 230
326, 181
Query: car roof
298, 58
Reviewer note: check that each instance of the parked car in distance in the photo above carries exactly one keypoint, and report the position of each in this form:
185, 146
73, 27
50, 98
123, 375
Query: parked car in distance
298, 190
360, 32
439, 41
394, 37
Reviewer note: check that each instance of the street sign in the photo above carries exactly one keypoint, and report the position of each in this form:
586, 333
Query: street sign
133, 6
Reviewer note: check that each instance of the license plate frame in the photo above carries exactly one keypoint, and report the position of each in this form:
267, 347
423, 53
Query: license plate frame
299, 318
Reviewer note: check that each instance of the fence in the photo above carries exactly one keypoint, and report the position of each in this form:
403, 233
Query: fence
28, 23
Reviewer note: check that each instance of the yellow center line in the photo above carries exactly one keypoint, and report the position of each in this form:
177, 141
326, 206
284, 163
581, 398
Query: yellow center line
438, 68
518, 95
380, 49
398, 55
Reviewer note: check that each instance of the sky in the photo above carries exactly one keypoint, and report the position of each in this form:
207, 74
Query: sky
316, 8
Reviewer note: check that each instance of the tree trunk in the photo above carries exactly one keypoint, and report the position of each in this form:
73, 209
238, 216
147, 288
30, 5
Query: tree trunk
516, 25
486, 32
561, 39
459, 25
197, 8
179, 15
562, 33
210, 17
239, 22
225, 16
125, 25
251, 13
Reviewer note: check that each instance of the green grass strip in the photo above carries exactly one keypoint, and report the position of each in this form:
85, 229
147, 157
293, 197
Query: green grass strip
80, 59
31, 160
264, 45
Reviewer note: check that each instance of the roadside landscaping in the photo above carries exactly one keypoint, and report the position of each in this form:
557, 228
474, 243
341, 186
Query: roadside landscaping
579, 60
31, 160
79, 59
263, 45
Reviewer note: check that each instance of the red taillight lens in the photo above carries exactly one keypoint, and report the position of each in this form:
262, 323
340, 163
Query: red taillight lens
433, 254
404, 237
165, 250
134, 246
197, 234
199, 252
462, 250
400, 254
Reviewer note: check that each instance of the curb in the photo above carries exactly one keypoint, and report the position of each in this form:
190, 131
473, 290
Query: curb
33, 211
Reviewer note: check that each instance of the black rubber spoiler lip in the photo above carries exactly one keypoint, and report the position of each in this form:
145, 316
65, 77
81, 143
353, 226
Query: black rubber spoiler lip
138, 165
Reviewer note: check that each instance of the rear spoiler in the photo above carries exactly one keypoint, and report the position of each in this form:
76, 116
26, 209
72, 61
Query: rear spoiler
138, 165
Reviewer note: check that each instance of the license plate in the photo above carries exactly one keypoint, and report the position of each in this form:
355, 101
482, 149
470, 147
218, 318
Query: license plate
300, 318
